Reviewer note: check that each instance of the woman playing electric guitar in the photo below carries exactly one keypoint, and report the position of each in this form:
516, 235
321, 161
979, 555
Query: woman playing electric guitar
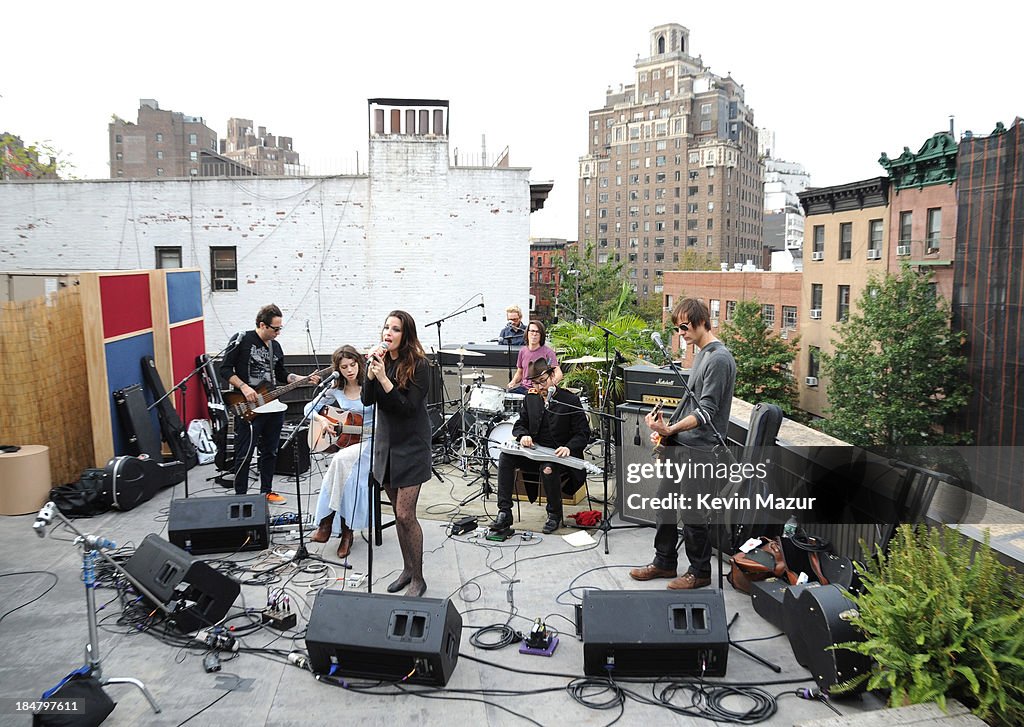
344, 505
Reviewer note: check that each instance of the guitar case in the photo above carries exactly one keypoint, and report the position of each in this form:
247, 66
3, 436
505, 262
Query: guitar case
173, 430
136, 423
825, 615
220, 422
130, 481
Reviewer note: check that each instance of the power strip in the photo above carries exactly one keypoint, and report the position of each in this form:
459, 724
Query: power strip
355, 580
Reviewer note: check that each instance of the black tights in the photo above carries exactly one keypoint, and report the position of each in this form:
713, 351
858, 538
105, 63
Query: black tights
410, 534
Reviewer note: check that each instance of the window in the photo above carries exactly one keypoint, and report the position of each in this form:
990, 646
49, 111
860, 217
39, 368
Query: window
906, 227
117, 139
119, 156
193, 139
816, 295
705, 108
694, 157
845, 240
789, 316
193, 156
223, 268
843, 303
819, 239
768, 315
813, 361
691, 191
168, 257
875, 238
934, 228
730, 309
159, 171
705, 125
159, 137
159, 155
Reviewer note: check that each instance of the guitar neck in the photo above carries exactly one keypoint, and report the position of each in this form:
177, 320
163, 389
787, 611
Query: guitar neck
277, 393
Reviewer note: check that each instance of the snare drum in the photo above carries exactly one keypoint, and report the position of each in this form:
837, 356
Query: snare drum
499, 435
514, 404
486, 399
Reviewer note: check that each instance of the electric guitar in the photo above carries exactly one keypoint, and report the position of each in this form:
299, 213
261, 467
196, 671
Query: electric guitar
266, 400
658, 447
348, 428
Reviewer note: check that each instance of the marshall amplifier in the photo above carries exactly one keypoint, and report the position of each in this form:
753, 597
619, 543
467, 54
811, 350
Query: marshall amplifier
651, 384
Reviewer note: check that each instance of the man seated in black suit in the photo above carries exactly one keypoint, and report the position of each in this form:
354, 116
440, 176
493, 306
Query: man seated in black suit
550, 417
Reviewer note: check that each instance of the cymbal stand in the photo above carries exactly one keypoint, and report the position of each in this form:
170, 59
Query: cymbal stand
485, 472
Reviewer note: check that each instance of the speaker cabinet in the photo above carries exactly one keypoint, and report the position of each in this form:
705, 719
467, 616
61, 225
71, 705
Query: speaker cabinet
226, 524
825, 614
286, 455
372, 636
633, 447
655, 633
199, 595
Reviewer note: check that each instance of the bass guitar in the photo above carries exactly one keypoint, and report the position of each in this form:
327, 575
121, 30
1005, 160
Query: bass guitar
266, 400
347, 425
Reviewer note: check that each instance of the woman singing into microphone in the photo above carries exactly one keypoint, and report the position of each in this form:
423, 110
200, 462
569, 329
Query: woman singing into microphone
396, 382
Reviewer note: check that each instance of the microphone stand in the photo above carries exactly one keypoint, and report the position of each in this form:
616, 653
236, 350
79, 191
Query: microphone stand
92, 548
301, 553
607, 417
446, 457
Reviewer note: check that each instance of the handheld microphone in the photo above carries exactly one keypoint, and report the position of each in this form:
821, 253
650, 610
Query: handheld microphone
44, 518
483, 315
382, 346
551, 396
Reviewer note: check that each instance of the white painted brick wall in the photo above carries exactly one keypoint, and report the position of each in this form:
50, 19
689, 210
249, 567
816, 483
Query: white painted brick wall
340, 252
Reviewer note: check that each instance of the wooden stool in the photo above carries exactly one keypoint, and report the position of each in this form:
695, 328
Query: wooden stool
24, 479
568, 496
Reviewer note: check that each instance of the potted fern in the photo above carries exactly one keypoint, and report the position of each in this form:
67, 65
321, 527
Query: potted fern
942, 620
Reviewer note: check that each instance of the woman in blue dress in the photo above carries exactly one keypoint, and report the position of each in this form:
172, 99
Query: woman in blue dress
344, 502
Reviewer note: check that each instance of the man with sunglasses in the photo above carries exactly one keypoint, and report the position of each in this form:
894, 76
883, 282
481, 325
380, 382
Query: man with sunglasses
689, 435
552, 418
254, 358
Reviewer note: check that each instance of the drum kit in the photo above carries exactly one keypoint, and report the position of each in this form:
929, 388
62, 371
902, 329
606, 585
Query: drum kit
485, 414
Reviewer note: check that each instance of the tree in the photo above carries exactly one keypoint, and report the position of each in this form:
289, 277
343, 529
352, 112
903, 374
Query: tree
762, 358
599, 284
898, 371
18, 161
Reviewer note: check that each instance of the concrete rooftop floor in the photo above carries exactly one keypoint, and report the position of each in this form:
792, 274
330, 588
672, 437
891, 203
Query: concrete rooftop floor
42, 641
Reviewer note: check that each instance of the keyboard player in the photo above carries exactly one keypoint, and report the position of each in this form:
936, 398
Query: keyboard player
550, 417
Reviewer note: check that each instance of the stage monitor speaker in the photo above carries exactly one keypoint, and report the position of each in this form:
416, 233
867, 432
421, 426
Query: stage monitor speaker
633, 446
223, 524
286, 455
201, 596
825, 616
666, 633
373, 636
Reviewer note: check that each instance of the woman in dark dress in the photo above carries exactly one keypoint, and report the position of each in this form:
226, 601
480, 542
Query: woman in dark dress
396, 381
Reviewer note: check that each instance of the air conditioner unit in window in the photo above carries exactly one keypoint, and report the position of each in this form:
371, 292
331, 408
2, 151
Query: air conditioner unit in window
903, 249
815, 314
784, 334
811, 380
874, 254
820, 255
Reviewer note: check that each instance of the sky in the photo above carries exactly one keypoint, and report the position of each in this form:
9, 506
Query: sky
836, 87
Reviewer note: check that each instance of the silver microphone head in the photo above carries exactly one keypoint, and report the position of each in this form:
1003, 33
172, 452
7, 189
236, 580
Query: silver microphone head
656, 337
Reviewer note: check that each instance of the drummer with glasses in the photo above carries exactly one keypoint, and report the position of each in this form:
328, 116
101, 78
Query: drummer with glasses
536, 348
553, 419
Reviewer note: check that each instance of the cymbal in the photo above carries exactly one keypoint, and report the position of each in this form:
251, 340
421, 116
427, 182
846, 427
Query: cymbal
585, 359
480, 375
460, 352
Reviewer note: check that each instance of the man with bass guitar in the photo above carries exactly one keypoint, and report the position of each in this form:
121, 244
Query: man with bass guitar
253, 365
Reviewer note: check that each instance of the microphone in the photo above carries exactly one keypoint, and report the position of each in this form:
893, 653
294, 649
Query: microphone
333, 377
483, 315
382, 346
44, 518
656, 337
551, 395
636, 435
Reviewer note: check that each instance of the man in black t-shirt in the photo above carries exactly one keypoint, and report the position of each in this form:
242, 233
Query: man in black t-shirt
255, 358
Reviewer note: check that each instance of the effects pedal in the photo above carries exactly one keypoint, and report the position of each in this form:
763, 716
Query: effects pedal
500, 536
464, 525
539, 642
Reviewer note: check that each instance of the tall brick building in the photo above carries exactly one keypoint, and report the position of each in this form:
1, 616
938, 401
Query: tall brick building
263, 153
160, 144
671, 167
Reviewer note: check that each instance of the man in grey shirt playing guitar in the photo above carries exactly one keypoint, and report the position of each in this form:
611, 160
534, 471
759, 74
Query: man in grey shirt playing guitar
551, 426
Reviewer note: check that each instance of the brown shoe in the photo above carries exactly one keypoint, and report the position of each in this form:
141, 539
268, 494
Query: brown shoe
323, 530
687, 582
650, 572
345, 547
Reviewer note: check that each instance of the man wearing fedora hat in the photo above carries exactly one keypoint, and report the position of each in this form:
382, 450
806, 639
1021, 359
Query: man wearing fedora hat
550, 417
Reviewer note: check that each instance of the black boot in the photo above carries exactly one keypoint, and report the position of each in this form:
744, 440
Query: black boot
502, 522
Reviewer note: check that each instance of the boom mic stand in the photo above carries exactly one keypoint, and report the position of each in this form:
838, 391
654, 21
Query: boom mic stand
92, 548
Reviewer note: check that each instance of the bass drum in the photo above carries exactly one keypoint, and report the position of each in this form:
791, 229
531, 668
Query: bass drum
499, 435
